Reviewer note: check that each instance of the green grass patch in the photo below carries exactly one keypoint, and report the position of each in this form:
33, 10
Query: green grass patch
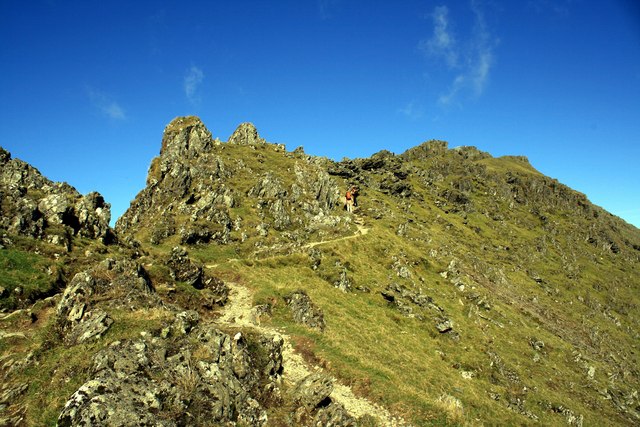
28, 272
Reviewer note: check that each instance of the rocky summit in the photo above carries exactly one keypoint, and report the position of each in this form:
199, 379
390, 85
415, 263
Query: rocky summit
237, 290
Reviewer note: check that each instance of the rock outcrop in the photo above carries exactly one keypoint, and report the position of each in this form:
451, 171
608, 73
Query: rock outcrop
186, 373
304, 311
193, 375
246, 134
202, 191
34, 206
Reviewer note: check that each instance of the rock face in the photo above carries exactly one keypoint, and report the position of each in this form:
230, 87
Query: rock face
32, 205
187, 373
201, 191
168, 385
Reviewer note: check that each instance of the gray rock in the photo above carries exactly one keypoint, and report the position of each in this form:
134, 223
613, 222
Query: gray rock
186, 137
185, 322
88, 326
304, 310
158, 381
246, 134
93, 215
313, 391
344, 282
37, 207
183, 269
444, 325
55, 207
334, 415
79, 318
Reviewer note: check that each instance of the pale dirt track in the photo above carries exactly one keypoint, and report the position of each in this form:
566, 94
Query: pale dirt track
238, 312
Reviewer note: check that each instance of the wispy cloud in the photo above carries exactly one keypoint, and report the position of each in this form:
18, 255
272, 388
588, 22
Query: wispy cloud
412, 110
105, 104
442, 42
469, 59
192, 81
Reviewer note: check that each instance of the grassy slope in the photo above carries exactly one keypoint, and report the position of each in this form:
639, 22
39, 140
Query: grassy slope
407, 365
583, 306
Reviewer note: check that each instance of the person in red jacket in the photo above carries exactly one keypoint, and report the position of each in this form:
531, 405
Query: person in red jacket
350, 198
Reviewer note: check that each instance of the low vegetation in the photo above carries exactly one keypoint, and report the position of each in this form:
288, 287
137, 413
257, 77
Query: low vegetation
465, 289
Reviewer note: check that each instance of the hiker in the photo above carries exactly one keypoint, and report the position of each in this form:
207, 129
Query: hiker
350, 198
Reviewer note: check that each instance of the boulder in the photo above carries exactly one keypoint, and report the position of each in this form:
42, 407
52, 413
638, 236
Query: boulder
444, 325
305, 311
313, 391
183, 269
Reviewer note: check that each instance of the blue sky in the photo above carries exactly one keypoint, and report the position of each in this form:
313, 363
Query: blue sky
87, 87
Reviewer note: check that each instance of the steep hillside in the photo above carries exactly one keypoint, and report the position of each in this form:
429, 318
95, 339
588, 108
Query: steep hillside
464, 290
480, 281
45, 227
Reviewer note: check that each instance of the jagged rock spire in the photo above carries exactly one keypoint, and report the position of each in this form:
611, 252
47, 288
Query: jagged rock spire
186, 137
246, 134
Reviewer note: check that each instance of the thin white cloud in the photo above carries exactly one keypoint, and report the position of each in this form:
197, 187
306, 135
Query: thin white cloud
114, 111
469, 59
442, 42
192, 81
412, 111
105, 104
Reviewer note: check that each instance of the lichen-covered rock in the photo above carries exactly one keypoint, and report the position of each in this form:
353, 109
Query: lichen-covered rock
161, 380
334, 415
246, 134
186, 137
93, 215
34, 206
444, 325
313, 391
55, 207
183, 269
78, 316
209, 185
304, 310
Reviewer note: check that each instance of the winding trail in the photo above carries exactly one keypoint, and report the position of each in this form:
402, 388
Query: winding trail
362, 230
239, 312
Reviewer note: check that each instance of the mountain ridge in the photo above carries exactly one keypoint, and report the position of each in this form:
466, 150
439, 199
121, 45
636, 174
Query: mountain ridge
481, 292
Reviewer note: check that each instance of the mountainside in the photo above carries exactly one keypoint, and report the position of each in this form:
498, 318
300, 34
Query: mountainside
237, 290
